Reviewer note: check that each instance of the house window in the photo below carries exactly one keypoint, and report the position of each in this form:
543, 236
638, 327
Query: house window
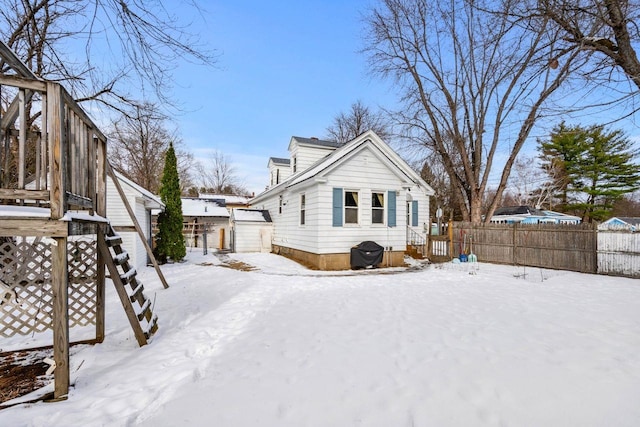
350, 207
278, 176
303, 208
377, 208
295, 164
280, 204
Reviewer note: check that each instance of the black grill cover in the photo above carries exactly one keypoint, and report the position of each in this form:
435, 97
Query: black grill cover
366, 254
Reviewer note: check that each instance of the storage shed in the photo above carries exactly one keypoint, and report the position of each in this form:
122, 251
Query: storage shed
251, 230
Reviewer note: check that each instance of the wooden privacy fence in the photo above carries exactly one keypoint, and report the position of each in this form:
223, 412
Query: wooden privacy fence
561, 247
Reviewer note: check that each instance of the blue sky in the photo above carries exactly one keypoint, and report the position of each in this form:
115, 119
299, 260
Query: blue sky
285, 68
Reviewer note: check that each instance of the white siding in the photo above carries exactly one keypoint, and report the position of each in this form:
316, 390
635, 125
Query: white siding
252, 237
306, 156
619, 253
278, 173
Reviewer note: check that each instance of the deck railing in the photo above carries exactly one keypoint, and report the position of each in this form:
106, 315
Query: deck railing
51, 153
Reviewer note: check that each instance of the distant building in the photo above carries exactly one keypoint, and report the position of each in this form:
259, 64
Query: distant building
529, 215
205, 215
621, 223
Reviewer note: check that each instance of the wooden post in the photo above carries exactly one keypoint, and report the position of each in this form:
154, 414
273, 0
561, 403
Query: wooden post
59, 271
450, 230
59, 280
22, 138
136, 224
100, 205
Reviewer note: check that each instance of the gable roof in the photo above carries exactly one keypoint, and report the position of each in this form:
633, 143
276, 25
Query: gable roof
250, 215
622, 221
632, 220
347, 151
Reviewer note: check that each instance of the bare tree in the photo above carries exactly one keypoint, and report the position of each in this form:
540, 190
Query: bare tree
530, 185
608, 28
474, 85
347, 126
217, 174
98, 48
138, 143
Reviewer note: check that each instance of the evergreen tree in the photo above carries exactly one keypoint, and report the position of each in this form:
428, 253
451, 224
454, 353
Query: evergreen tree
591, 169
169, 240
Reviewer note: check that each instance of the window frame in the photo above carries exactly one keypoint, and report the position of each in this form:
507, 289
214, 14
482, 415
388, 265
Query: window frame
303, 209
347, 208
382, 209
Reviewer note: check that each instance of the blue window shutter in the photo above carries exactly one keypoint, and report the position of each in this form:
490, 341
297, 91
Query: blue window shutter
337, 207
391, 208
414, 213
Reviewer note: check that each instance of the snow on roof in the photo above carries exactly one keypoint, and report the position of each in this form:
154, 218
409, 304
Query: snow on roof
229, 199
24, 211
83, 216
251, 215
203, 207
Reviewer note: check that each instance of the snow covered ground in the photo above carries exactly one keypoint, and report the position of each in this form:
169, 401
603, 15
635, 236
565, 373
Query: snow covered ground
286, 346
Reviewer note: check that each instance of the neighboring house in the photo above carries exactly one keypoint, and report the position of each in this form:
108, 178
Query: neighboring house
621, 223
205, 215
339, 196
251, 230
230, 200
142, 202
528, 215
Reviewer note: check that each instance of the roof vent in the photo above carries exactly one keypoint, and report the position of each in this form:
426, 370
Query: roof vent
315, 138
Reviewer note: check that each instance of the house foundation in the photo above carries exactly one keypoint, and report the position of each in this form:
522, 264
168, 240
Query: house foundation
335, 261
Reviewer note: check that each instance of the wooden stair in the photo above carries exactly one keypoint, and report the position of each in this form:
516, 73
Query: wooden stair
137, 306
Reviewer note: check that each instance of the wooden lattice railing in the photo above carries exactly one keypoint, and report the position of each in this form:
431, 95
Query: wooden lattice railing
26, 295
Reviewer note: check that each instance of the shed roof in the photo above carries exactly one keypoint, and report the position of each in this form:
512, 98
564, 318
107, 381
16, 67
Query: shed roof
251, 215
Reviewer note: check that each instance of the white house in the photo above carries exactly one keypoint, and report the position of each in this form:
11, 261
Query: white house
339, 196
251, 230
142, 202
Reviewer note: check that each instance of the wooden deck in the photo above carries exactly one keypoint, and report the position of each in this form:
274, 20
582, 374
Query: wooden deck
52, 186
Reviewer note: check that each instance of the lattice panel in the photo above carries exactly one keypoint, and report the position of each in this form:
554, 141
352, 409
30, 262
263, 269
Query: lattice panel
25, 289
